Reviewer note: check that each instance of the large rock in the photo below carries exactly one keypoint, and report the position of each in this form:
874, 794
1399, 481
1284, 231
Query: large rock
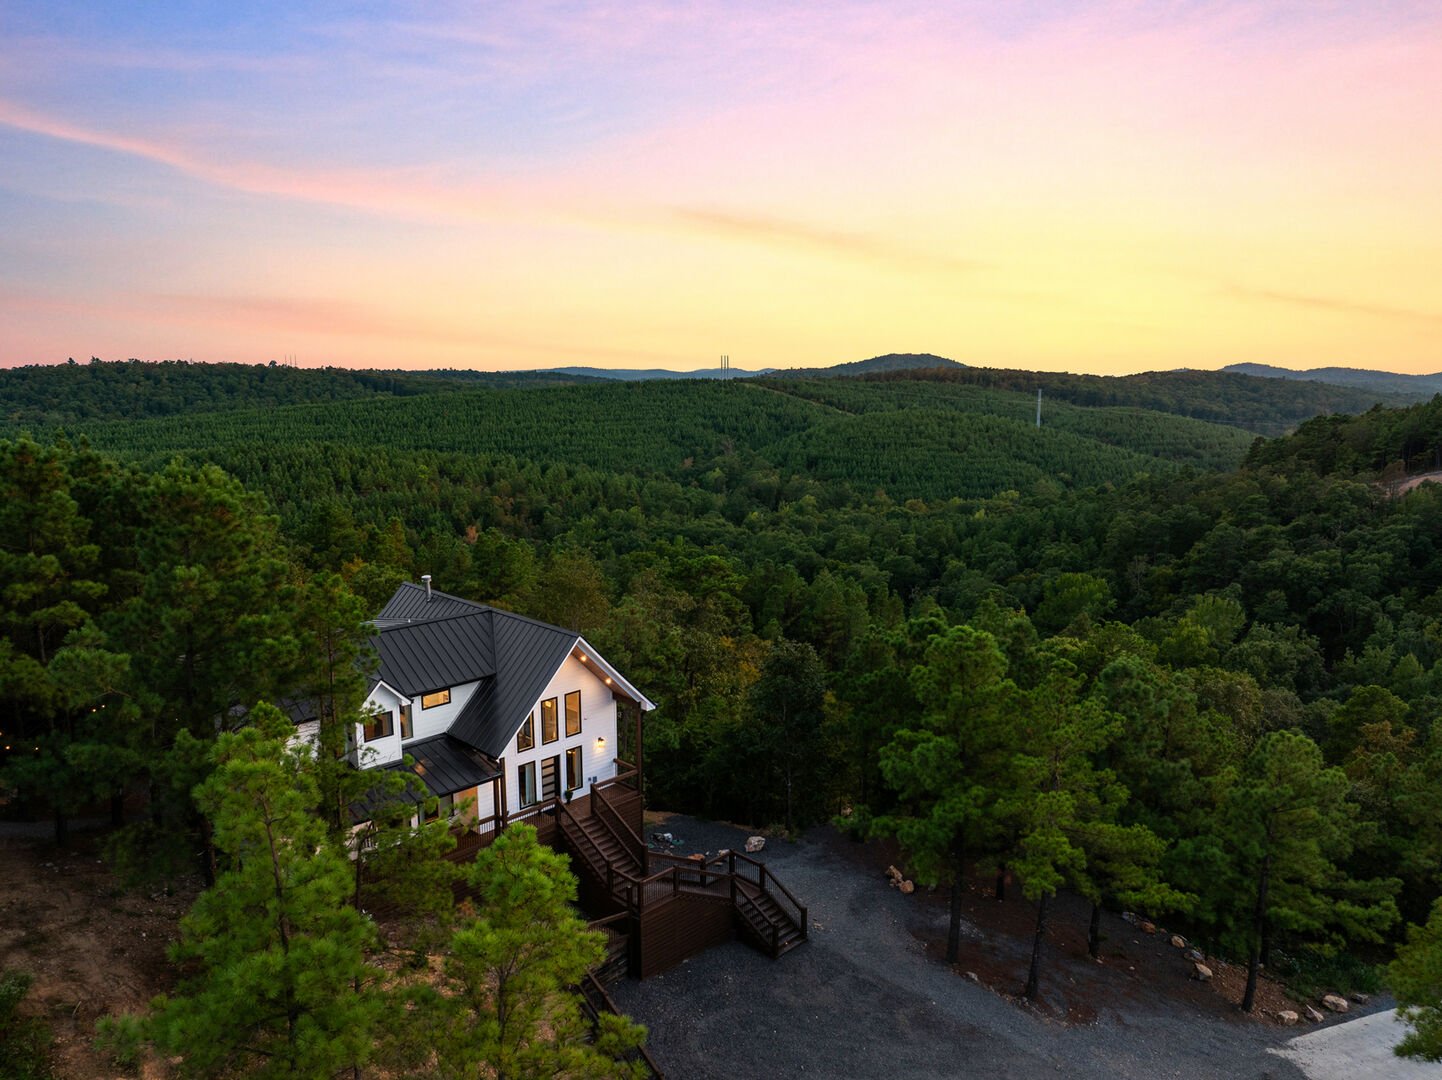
1148, 927
907, 888
1201, 972
1195, 955
1313, 1015
755, 844
1178, 942
1287, 1017
1360, 998
1335, 1003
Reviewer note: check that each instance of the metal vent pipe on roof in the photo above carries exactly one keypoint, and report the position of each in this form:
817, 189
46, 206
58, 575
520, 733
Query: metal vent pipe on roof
427, 579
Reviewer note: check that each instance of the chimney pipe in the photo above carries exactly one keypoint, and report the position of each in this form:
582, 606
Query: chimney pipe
427, 579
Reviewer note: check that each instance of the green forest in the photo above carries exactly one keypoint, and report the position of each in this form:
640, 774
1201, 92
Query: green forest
1155, 653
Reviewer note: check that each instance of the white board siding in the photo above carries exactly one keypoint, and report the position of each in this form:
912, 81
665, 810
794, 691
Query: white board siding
437, 720
385, 750
598, 720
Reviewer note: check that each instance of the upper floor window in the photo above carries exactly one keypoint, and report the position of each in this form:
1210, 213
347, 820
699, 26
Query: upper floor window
438, 697
406, 728
550, 728
378, 726
573, 713
526, 737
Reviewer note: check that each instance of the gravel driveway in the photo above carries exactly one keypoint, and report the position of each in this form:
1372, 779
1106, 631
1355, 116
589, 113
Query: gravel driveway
861, 999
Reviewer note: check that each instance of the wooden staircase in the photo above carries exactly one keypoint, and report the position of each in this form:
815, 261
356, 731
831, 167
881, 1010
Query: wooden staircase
676, 906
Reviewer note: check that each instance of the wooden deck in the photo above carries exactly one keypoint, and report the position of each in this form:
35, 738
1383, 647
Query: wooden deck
661, 908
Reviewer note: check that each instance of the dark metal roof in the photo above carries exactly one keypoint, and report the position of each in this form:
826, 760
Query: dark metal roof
446, 765
527, 654
411, 604
443, 764
420, 656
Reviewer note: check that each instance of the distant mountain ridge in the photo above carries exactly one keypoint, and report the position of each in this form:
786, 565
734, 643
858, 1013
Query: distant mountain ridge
648, 374
875, 365
1387, 382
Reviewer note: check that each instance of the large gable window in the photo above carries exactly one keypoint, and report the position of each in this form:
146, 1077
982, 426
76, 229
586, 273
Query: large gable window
526, 737
550, 729
407, 731
438, 697
379, 726
573, 713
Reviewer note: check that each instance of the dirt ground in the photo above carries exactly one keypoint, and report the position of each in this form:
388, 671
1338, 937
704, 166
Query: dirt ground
92, 948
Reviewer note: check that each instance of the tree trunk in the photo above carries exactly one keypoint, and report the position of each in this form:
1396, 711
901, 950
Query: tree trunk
1259, 930
1094, 932
958, 883
1001, 882
1033, 976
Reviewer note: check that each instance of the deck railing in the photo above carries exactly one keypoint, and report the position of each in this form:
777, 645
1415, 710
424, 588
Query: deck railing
763, 874
600, 802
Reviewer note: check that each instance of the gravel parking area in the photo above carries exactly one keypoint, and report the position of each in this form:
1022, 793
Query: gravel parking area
863, 999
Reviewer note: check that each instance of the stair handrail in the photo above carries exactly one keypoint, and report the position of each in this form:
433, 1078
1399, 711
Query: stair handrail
627, 833
766, 872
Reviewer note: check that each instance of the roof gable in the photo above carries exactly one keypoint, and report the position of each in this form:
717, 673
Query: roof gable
527, 655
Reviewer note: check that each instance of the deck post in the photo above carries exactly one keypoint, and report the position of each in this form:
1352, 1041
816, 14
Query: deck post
639, 713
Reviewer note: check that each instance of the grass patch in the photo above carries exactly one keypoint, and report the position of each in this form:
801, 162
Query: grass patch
1310, 972
24, 1041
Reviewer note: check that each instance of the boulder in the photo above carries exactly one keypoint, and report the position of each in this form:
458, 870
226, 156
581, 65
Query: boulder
1287, 1017
1148, 927
907, 888
1195, 955
1201, 972
1360, 998
1313, 1015
1178, 942
755, 844
894, 875
1130, 917
972, 976
1335, 1003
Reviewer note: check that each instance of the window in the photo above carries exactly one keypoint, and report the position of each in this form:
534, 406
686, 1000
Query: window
445, 808
551, 777
407, 731
440, 697
573, 768
526, 783
378, 726
573, 713
526, 737
549, 730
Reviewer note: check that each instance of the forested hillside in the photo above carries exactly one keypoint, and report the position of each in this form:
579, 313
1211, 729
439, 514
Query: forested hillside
41, 395
1136, 656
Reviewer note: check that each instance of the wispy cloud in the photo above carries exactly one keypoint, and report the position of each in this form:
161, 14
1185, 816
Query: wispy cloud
763, 229
1339, 305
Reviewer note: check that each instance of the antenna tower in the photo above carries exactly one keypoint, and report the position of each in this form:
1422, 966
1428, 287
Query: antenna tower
1038, 406
725, 366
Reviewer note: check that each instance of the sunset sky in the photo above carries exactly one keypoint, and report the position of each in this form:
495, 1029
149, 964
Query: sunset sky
1103, 187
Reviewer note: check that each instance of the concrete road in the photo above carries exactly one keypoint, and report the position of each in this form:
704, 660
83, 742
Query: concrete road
1360, 1049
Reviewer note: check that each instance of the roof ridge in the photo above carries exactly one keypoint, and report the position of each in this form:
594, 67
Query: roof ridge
409, 624
437, 592
533, 622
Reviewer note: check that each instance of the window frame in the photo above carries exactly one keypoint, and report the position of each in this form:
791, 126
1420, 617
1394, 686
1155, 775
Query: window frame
573, 694
408, 725
445, 808
555, 723
435, 699
380, 718
575, 774
524, 770
526, 732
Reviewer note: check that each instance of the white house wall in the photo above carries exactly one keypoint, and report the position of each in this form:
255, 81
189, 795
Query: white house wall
424, 722
598, 721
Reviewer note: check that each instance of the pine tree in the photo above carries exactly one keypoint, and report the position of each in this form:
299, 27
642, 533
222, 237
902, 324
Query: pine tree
282, 987
950, 768
1416, 978
507, 1008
